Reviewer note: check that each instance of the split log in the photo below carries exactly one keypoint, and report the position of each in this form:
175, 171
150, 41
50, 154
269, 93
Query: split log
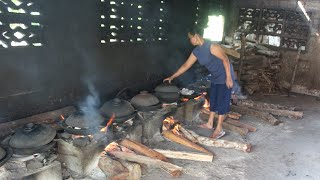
281, 111
241, 124
232, 115
187, 134
111, 168
231, 52
186, 155
264, 105
184, 141
172, 169
47, 117
300, 89
242, 131
134, 169
221, 143
142, 149
230, 127
262, 115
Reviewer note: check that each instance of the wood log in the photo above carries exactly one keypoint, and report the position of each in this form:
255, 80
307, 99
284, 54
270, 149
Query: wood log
186, 155
221, 143
230, 127
300, 89
241, 124
187, 134
47, 117
242, 131
271, 108
135, 172
112, 168
264, 105
232, 115
142, 149
261, 115
231, 52
184, 141
172, 169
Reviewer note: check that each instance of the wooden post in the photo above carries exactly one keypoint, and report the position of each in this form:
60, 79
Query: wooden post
294, 71
242, 55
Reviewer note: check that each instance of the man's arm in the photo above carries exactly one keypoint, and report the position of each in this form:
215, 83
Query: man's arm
219, 53
187, 65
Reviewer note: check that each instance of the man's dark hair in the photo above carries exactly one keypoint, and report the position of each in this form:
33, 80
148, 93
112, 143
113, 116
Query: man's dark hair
195, 30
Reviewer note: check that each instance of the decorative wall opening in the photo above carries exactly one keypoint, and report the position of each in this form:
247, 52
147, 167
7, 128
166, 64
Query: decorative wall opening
133, 21
280, 28
20, 23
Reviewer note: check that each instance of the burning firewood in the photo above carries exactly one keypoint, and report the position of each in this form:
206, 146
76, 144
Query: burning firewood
220, 143
142, 149
186, 155
172, 169
183, 141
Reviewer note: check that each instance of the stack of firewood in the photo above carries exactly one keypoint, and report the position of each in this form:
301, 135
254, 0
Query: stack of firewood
260, 69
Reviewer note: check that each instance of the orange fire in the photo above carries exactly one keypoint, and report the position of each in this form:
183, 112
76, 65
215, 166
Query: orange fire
198, 98
184, 99
168, 122
77, 136
206, 104
105, 129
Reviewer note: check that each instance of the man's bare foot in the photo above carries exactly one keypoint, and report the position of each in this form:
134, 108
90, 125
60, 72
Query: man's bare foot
218, 133
205, 126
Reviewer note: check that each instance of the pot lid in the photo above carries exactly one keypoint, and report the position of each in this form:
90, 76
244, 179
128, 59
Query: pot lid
167, 88
144, 99
32, 135
2, 153
84, 120
119, 107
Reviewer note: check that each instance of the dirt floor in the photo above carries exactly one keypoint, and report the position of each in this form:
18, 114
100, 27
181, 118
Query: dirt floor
287, 151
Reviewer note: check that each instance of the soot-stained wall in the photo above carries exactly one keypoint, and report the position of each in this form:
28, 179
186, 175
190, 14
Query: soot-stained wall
39, 79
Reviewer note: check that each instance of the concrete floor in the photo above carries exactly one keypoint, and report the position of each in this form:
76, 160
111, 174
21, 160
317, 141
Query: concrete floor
290, 150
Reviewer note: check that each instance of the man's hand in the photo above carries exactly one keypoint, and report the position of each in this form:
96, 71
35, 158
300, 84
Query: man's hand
169, 79
229, 82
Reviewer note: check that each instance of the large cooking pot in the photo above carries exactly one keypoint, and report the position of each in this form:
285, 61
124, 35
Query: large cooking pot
5, 155
122, 110
32, 136
85, 120
167, 92
2, 153
145, 102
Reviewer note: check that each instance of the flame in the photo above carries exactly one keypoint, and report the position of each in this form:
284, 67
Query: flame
77, 136
198, 98
206, 104
184, 99
105, 129
167, 125
176, 129
62, 117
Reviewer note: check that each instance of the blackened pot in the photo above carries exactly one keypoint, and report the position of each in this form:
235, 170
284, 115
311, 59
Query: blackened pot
32, 136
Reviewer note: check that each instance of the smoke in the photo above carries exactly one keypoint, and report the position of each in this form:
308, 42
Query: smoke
89, 107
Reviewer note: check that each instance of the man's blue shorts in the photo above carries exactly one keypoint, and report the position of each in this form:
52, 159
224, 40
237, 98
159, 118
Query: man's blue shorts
220, 97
